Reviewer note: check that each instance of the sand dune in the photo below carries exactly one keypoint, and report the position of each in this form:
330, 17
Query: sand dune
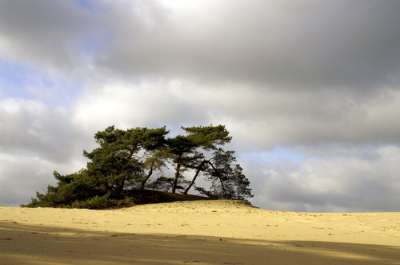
196, 232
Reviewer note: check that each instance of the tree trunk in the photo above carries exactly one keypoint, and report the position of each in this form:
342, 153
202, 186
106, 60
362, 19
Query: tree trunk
120, 187
178, 169
195, 176
175, 183
147, 178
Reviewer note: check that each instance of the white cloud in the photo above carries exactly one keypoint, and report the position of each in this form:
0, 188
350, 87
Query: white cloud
22, 175
155, 103
257, 120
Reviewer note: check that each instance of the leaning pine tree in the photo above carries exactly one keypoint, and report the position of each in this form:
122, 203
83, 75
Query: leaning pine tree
127, 162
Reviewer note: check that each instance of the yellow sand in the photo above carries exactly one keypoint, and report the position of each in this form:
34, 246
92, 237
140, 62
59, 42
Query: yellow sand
197, 232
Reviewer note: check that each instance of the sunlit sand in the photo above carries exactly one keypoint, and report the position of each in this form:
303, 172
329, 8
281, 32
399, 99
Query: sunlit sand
196, 232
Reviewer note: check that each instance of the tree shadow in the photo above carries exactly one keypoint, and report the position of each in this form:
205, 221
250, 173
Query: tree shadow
28, 244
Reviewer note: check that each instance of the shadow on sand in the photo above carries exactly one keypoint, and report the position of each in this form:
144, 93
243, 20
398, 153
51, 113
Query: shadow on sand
26, 244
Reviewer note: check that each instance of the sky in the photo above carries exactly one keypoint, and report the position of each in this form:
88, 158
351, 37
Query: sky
309, 90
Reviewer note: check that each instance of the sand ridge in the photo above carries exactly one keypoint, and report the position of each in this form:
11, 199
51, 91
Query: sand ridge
197, 232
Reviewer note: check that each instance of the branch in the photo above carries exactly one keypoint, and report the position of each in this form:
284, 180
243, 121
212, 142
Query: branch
195, 176
219, 176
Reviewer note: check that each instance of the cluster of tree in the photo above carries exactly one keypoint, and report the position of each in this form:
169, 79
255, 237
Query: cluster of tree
136, 159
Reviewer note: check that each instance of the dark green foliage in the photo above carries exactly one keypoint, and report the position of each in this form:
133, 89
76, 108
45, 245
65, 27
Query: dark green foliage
185, 148
165, 184
115, 163
161, 183
227, 179
76, 186
102, 202
128, 160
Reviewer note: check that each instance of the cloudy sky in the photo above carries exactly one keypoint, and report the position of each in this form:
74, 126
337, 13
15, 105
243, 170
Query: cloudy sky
309, 90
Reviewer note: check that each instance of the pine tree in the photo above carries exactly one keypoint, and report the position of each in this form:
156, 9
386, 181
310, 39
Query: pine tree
186, 149
126, 160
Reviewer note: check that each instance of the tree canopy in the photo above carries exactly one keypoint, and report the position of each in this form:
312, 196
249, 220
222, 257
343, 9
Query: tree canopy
131, 161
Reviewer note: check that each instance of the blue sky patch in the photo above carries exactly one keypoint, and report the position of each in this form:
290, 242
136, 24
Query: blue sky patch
17, 80
89, 5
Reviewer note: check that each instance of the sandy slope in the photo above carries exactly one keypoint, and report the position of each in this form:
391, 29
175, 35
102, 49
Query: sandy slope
197, 232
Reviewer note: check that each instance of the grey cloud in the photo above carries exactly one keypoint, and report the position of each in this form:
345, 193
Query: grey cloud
47, 34
339, 184
21, 176
282, 118
291, 44
309, 44
30, 127
27, 179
